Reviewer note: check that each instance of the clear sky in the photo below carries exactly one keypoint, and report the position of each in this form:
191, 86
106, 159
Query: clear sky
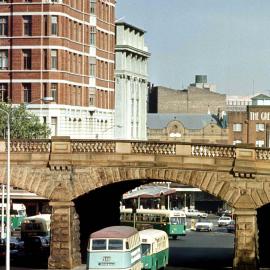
227, 40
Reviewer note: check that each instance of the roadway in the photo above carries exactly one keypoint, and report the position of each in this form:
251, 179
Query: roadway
196, 250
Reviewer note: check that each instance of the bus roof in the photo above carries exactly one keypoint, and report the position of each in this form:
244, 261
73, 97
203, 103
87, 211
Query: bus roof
114, 232
45, 217
151, 234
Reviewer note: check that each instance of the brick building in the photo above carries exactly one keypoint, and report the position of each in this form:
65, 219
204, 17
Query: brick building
252, 125
199, 97
63, 49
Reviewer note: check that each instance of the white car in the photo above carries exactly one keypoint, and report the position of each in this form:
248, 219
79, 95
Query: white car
204, 225
224, 221
195, 213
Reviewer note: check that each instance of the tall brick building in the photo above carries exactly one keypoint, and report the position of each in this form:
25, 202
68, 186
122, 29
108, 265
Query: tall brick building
63, 49
251, 126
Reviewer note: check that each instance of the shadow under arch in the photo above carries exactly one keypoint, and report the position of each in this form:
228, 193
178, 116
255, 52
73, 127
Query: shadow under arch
263, 221
99, 208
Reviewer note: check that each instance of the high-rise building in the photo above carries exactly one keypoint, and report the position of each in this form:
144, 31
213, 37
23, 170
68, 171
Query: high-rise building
131, 72
63, 49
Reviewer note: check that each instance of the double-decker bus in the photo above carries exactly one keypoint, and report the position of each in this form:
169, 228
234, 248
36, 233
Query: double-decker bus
115, 247
173, 222
155, 249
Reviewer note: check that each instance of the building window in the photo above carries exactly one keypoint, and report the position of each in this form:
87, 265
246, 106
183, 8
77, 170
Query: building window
92, 69
259, 143
91, 99
92, 35
54, 126
54, 91
27, 92
3, 59
3, 26
27, 59
54, 24
237, 127
3, 92
260, 127
93, 6
53, 59
27, 25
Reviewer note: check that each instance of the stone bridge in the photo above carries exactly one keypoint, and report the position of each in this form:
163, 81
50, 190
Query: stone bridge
63, 170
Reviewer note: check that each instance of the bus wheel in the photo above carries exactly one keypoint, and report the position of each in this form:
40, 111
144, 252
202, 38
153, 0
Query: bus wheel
174, 237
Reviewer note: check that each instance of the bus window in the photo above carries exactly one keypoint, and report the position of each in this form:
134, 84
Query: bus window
146, 249
175, 220
99, 244
115, 244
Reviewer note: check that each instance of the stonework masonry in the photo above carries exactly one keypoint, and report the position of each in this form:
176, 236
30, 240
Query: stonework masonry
63, 169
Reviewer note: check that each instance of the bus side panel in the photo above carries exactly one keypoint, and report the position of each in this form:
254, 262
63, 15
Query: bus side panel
162, 258
147, 262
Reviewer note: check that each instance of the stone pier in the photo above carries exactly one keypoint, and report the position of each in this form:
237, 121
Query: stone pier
246, 248
65, 236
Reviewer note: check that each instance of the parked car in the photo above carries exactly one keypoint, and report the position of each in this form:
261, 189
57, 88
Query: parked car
231, 227
224, 221
16, 245
195, 213
223, 212
37, 245
204, 225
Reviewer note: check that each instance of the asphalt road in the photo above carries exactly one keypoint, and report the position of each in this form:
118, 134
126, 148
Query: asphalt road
196, 250
202, 250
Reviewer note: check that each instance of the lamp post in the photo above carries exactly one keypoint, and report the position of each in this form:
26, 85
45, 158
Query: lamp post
44, 99
8, 193
104, 131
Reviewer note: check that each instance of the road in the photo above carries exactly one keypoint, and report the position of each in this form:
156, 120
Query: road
206, 250
196, 250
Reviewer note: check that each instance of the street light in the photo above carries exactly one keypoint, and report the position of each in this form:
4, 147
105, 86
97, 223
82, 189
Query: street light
104, 131
8, 193
44, 99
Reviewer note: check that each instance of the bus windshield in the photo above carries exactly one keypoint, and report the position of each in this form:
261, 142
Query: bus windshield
146, 249
115, 244
99, 244
177, 220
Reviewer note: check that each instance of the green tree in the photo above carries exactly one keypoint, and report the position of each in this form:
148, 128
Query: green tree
23, 124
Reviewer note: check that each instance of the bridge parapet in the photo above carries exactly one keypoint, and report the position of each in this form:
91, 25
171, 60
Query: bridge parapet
67, 145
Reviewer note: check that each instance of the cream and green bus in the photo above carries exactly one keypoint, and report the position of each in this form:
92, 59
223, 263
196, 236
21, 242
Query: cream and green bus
155, 249
173, 222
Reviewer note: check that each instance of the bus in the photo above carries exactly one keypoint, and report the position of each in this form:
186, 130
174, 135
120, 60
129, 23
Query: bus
173, 222
155, 249
115, 247
17, 214
38, 225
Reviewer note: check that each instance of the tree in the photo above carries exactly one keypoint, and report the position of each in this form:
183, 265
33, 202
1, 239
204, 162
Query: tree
23, 124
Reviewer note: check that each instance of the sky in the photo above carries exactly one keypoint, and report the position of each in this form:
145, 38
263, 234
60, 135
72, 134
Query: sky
227, 40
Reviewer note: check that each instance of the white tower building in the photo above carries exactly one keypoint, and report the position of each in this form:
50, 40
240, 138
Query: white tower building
131, 70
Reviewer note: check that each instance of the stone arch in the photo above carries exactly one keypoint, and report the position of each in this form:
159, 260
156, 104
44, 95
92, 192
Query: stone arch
41, 181
214, 183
